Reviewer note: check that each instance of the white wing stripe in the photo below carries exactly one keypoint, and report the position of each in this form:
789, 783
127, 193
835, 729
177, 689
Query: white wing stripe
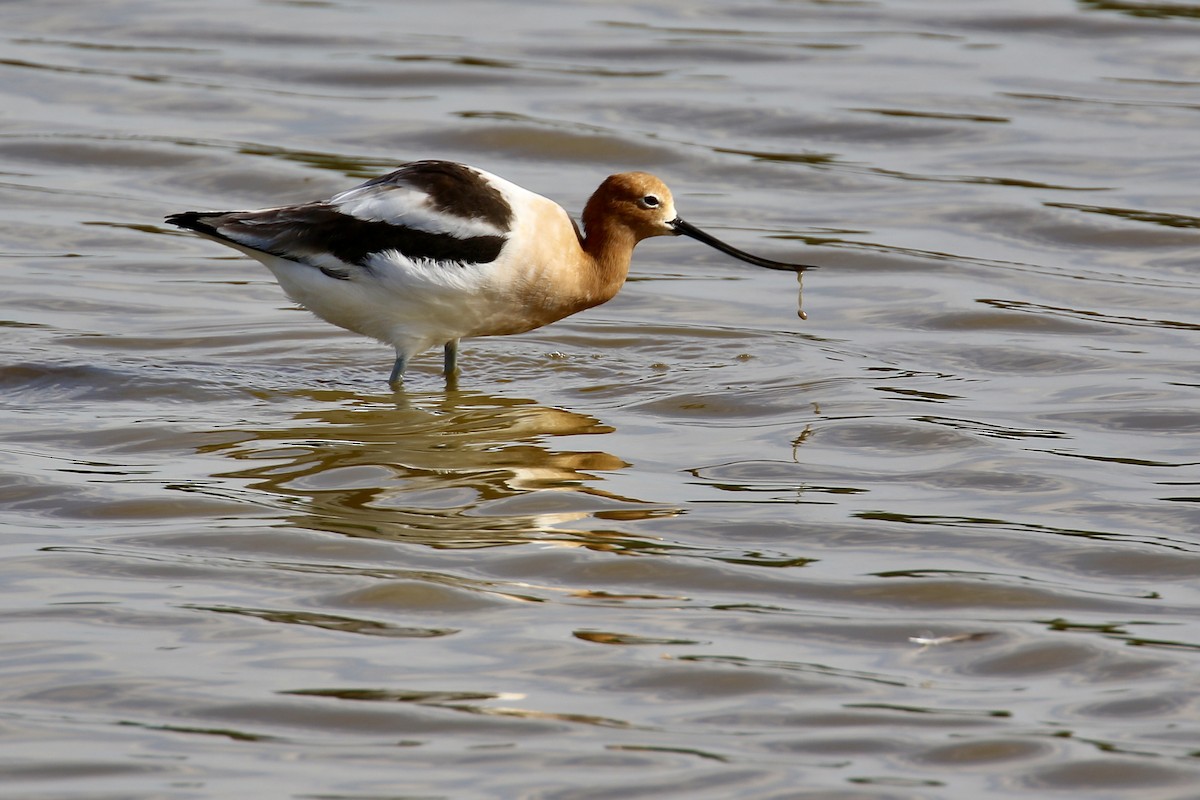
411, 208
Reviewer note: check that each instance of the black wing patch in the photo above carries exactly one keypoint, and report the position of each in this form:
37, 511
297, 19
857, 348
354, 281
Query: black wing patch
307, 233
453, 189
312, 232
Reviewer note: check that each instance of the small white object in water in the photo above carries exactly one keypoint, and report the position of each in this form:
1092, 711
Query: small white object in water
954, 638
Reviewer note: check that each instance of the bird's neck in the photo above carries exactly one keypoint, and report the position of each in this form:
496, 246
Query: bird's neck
609, 249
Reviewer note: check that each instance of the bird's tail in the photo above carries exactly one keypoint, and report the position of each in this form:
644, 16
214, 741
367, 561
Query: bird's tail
198, 221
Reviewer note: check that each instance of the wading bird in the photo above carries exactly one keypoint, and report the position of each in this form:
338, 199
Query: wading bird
437, 251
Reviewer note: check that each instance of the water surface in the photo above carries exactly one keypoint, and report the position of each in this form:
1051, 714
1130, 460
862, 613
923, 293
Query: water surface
939, 540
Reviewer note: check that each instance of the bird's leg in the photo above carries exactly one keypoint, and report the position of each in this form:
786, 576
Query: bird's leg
397, 370
450, 357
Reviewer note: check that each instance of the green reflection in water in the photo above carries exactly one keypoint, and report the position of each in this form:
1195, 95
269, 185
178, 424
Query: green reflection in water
1150, 10
1134, 214
463, 702
331, 622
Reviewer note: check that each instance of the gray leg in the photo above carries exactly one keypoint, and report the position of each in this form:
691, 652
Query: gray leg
450, 357
397, 370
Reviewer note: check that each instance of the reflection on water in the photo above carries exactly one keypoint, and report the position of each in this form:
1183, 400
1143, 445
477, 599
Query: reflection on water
331, 622
449, 470
1150, 10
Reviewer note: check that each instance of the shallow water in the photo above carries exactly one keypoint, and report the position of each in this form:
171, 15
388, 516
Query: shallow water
940, 540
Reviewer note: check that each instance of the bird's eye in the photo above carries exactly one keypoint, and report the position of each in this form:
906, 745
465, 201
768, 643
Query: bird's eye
649, 201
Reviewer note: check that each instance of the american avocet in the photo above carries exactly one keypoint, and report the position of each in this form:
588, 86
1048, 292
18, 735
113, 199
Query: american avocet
438, 251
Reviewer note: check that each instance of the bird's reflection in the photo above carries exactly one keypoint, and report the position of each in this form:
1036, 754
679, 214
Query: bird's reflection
447, 469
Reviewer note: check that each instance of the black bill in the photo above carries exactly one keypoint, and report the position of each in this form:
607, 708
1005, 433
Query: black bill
688, 229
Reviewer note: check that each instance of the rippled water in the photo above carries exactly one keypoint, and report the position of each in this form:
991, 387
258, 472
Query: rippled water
940, 540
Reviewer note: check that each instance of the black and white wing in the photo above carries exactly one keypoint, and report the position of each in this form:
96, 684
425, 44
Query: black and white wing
426, 211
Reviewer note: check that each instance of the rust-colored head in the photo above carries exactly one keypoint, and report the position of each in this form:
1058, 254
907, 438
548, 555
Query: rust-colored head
632, 206
636, 203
